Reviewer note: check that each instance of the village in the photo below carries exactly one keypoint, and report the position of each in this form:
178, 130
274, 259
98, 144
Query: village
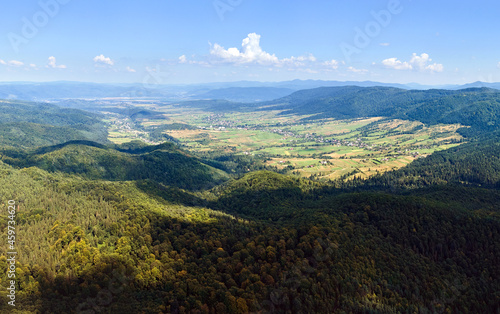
221, 123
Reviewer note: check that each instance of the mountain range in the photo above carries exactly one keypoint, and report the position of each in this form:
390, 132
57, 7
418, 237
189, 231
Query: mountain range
242, 91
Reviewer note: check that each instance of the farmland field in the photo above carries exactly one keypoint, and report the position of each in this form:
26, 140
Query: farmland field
323, 149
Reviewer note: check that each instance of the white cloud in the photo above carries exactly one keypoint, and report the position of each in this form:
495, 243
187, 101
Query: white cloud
354, 70
498, 65
435, 67
251, 52
183, 60
52, 64
416, 62
310, 58
420, 61
385, 44
129, 69
334, 64
3, 62
15, 63
394, 63
102, 60
297, 61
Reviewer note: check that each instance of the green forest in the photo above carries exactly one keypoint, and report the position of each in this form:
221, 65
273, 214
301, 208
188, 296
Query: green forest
137, 228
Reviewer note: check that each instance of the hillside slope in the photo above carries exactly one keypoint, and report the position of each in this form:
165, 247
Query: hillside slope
162, 163
31, 124
478, 108
355, 252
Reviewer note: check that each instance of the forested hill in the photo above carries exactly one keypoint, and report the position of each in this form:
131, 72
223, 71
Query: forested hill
134, 228
31, 124
162, 163
475, 107
43, 113
351, 252
472, 164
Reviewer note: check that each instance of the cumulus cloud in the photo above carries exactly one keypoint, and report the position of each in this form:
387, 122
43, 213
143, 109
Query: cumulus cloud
102, 60
385, 44
333, 64
417, 62
297, 61
394, 63
53, 65
250, 52
435, 67
182, 59
129, 69
3, 62
420, 61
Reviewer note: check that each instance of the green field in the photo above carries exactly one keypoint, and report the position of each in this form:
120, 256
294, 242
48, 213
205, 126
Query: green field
325, 149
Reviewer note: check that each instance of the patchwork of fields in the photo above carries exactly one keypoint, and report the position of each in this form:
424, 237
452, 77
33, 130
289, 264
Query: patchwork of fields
326, 149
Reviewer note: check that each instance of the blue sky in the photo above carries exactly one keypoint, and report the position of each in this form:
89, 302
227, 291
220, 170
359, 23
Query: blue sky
174, 41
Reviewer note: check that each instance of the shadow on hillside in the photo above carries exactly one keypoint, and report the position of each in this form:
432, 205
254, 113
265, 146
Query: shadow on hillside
170, 194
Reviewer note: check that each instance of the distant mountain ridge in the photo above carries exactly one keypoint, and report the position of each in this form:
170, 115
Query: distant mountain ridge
242, 91
247, 94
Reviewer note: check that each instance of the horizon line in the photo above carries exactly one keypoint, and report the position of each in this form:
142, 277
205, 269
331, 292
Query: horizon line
240, 81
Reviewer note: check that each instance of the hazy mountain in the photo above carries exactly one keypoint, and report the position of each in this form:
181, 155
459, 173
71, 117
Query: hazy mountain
242, 91
247, 94
479, 84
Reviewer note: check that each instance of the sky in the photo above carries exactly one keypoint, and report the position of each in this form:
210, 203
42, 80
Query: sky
200, 41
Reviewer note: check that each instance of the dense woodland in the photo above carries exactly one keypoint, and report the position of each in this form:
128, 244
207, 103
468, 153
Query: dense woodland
162, 163
29, 124
133, 228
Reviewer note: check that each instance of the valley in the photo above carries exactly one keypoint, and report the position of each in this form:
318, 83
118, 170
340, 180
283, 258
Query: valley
285, 206
326, 149
249, 157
